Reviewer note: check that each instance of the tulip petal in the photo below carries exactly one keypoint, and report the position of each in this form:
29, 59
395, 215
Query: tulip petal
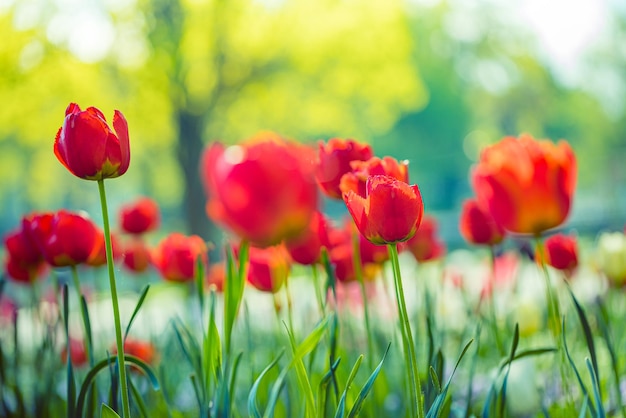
121, 129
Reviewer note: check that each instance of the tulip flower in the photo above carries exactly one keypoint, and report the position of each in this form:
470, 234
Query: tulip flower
136, 255
78, 353
356, 179
306, 249
140, 216
561, 252
390, 212
263, 189
176, 256
477, 225
528, 185
612, 257
143, 350
24, 262
425, 244
99, 257
87, 146
216, 276
268, 268
65, 238
334, 161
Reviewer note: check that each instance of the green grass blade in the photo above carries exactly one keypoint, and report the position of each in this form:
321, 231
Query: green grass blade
341, 408
583, 388
144, 293
367, 387
439, 403
107, 412
587, 332
253, 409
596, 388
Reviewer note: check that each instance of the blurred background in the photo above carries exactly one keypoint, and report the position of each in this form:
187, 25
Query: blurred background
424, 80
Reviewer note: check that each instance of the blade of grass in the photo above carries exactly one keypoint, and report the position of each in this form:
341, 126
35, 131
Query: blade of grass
253, 408
367, 387
596, 388
583, 388
341, 408
142, 298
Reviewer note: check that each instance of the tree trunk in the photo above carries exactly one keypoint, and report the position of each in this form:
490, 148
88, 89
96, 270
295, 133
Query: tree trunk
190, 146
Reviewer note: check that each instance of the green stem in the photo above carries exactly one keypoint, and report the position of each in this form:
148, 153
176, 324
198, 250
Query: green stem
318, 289
356, 260
116, 308
417, 405
82, 314
492, 302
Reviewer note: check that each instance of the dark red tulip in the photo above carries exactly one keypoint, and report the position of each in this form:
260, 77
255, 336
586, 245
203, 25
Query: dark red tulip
334, 161
140, 216
176, 256
477, 225
87, 146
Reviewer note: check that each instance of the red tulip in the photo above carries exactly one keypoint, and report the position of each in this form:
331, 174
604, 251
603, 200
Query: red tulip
425, 244
334, 161
65, 238
99, 256
136, 255
341, 253
88, 148
263, 190
144, 350
527, 184
175, 256
268, 268
140, 216
216, 276
390, 212
306, 249
78, 355
477, 225
356, 179
24, 262
561, 252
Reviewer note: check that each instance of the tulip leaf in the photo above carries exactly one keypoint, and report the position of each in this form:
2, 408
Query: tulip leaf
440, 400
107, 412
253, 408
98, 367
365, 390
323, 386
583, 388
584, 323
341, 408
596, 388
144, 293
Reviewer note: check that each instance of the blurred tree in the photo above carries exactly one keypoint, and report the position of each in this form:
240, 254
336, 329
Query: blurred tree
304, 68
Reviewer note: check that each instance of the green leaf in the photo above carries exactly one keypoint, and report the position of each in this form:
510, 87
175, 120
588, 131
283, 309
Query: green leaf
341, 408
583, 388
253, 409
367, 387
596, 388
434, 379
107, 412
439, 403
233, 290
212, 349
87, 322
587, 332
322, 388
144, 293
98, 367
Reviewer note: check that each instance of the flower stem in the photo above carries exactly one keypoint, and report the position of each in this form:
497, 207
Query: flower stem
116, 308
88, 341
492, 302
358, 272
415, 395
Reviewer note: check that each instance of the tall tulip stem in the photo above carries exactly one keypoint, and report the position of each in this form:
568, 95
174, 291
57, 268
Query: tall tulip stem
116, 308
415, 395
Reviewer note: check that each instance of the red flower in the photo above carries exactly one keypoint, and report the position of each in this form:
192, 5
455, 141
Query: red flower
527, 184
143, 350
24, 262
140, 216
216, 276
341, 253
88, 148
268, 268
263, 190
425, 244
356, 179
136, 255
65, 238
175, 257
99, 256
78, 355
390, 212
477, 225
334, 161
306, 248
561, 252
